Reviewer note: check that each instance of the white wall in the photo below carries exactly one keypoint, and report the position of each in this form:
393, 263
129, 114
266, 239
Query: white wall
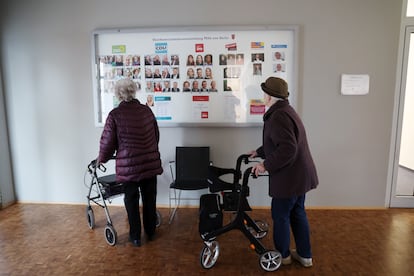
47, 76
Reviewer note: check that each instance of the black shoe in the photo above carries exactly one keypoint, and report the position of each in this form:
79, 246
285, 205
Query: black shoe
136, 243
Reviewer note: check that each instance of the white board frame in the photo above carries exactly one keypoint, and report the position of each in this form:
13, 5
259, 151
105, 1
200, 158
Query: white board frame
245, 100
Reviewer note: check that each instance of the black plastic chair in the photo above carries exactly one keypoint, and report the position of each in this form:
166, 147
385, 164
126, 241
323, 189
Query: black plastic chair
191, 173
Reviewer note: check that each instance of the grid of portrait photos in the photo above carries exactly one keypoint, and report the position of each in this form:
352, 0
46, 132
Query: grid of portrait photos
199, 74
232, 67
161, 72
116, 67
278, 63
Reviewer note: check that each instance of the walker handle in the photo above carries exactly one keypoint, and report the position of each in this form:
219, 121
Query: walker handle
92, 167
242, 158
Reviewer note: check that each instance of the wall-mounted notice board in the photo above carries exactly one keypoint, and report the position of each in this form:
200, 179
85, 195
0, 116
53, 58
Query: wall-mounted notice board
195, 76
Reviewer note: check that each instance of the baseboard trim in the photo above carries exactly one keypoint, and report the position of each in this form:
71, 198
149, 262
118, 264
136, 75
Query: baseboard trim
166, 206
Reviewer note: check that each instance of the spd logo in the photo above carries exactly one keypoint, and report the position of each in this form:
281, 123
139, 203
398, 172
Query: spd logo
199, 48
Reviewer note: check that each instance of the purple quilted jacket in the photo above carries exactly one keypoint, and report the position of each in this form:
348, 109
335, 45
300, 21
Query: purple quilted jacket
131, 132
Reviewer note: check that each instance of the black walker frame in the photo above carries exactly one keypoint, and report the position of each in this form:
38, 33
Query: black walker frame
102, 190
269, 260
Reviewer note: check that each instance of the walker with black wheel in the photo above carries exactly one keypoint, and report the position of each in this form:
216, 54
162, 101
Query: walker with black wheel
233, 198
103, 189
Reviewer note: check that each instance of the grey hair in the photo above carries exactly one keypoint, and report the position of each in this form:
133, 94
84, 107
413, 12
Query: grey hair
273, 99
125, 90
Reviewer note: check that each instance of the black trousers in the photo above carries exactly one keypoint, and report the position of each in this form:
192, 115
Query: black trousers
148, 189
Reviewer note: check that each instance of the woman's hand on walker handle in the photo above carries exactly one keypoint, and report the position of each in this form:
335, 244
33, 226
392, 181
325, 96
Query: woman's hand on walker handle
258, 169
253, 154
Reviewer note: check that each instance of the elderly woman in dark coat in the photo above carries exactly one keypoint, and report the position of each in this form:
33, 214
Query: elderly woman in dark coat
131, 132
292, 173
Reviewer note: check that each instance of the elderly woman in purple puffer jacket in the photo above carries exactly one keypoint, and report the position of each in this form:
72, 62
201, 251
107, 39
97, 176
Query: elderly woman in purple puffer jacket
131, 133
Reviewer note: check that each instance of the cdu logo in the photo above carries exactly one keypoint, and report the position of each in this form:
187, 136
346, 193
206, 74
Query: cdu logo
161, 47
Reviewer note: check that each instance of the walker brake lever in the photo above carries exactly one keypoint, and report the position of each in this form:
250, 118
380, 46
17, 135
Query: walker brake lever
102, 168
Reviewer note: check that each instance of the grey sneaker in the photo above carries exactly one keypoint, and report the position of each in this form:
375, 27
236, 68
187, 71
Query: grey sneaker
287, 260
306, 262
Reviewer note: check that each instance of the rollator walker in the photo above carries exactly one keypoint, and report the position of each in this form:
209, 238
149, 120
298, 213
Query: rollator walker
234, 199
103, 189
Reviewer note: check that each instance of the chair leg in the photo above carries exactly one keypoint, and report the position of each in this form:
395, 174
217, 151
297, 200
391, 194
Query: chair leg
177, 204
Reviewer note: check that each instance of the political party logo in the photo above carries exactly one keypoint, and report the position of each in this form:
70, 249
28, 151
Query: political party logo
278, 46
256, 45
161, 47
199, 47
231, 46
204, 114
118, 49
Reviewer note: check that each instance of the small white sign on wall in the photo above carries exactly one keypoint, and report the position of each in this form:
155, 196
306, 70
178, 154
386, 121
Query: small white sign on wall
354, 84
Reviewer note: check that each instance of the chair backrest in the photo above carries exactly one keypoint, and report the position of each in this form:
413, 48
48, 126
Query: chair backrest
191, 166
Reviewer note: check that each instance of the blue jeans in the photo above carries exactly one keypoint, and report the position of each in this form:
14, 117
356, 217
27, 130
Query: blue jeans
286, 213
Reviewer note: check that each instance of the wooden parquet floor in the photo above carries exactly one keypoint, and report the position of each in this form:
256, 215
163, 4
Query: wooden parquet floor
49, 239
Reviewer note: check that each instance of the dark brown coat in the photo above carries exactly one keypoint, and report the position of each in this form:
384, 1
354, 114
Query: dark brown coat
286, 152
131, 132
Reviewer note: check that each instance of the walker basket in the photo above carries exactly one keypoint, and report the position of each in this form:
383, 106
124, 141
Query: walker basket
211, 216
110, 187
